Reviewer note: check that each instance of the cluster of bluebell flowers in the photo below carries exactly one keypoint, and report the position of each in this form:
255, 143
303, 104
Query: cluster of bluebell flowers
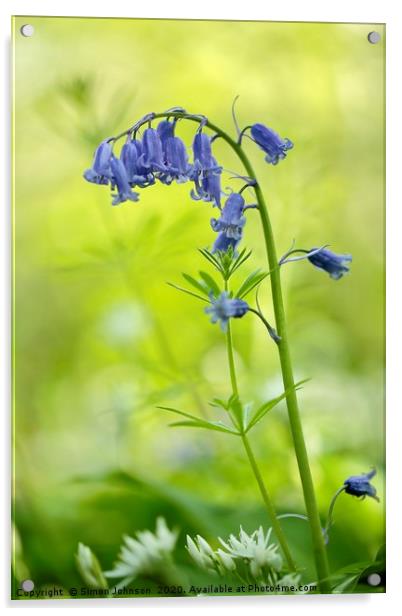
161, 156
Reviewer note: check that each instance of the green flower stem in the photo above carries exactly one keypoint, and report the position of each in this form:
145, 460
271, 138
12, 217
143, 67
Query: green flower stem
253, 463
331, 511
320, 555
232, 369
268, 504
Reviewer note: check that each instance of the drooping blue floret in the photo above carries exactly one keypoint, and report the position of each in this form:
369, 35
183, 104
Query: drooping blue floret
152, 156
271, 143
130, 156
224, 307
231, 221
330, 262
207, 186
359, 485
230, 224
205, 171
100, 172
176, 162
202, 153
120, 183
165, 130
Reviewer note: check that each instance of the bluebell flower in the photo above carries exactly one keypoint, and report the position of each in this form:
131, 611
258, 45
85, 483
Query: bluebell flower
271, 143
165, 130
230, 224
137, 174
205, 172
176, 162
120, 182
224, 307
152, 156
207, 186
202, 153
359, 485
100, 172
231, 221
330, 262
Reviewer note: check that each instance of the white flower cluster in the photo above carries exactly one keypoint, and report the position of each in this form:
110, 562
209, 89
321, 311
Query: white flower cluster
146, 554
213, 561
255, 551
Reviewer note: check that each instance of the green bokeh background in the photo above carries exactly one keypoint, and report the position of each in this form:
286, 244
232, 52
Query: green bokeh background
101, 339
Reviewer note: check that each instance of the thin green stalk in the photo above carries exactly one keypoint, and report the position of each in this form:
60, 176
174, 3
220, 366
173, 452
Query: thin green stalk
232, 371
268, 504
320, 555
330, 512
253, 463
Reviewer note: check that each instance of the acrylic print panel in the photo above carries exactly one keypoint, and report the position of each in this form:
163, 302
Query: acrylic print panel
198, 361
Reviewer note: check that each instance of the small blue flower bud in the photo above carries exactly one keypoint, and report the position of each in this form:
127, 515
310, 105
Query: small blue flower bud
359, 485
330, 262
223, 308
271, 143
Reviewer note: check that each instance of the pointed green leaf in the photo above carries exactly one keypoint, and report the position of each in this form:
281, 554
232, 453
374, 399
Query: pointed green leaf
178, 412
175, 286
242, 258
237, 410
207, 425
200, 286
210, 257
217, 402
250, 283
197, 422
211, 283
267, 406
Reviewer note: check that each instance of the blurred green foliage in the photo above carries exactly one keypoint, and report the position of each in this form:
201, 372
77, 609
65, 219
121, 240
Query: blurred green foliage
101, 339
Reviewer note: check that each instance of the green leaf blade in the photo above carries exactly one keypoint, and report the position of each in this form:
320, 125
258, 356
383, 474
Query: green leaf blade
270, 404
211, 283
252, 280
200, 286
187, 291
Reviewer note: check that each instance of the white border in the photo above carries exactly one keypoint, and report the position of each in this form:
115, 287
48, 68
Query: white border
366, 11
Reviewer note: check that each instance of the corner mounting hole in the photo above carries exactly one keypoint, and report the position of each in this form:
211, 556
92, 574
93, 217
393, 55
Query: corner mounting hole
374, 37
27, 30
374, 579
27, 585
